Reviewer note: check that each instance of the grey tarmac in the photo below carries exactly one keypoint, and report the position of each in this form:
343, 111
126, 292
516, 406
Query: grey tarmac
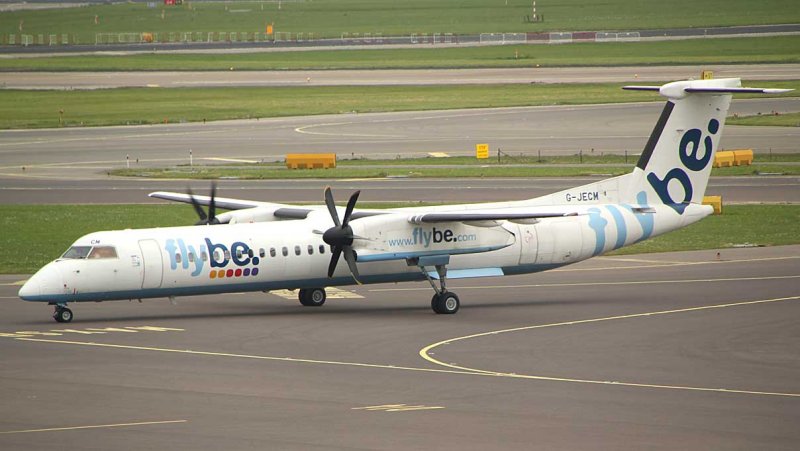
78, 153
688, 350
372, 77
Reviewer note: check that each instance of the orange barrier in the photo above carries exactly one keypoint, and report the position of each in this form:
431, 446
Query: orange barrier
714, 201
723, 159
743, 157
310, 160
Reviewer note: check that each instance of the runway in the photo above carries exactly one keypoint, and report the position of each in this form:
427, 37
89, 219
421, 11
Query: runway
197, 79
666, 351
79, 153
756, 189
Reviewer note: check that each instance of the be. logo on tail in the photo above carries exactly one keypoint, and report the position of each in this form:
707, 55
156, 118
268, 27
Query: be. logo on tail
693, 159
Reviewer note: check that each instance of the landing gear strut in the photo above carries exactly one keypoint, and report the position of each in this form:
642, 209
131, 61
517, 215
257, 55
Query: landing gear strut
62, 314
443, 302
312, 297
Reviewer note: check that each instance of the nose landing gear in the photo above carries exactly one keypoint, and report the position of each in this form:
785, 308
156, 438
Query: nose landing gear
62, 314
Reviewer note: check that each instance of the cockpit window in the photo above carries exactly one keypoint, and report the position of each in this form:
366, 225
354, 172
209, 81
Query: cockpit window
77, 252
103, 252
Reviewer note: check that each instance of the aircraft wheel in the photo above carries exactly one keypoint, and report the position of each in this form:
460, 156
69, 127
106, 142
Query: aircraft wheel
62, 315
446, 303
313, 297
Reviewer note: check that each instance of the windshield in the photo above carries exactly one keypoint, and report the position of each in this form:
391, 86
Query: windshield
77, 252
103, 252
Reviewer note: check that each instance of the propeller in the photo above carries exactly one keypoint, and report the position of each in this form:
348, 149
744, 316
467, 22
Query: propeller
211, 217
340, 237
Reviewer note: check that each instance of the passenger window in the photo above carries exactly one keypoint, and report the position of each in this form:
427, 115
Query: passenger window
203, 256
227, 255
191, 256
250, 253
177, 258
285, 251
103, 252
217, 255
321, 249
297, 250
238, 254
310, 250
272, 252
262, 253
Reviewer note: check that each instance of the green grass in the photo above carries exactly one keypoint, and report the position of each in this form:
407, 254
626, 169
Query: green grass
29, 242
33, 109
777, 49
767, 225
780, 120
329, 18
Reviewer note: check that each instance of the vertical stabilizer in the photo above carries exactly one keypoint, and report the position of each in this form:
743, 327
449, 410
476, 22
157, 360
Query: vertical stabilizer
676, 162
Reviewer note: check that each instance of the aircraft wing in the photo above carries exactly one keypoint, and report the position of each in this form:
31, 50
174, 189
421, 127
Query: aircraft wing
279, 210
471, 216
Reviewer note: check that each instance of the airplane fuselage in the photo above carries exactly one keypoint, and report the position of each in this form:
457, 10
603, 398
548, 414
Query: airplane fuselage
180, 261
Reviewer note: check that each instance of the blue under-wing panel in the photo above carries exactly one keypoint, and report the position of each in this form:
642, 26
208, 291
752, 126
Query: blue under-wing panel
469, 273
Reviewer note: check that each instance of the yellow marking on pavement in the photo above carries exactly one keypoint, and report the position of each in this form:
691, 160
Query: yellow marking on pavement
455, 369
18, 283
96, 426
582, 284
426, 354
397, 408
232, 160
87, 331
331, 293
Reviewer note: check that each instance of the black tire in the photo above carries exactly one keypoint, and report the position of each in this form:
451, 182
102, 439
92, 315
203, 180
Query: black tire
63, 315
446, 303
301, 294
313, 297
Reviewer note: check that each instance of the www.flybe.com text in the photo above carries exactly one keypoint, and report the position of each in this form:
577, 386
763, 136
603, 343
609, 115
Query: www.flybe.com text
426, 237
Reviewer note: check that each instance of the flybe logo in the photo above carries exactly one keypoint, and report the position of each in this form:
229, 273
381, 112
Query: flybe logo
223, 261
693, 158
420, 236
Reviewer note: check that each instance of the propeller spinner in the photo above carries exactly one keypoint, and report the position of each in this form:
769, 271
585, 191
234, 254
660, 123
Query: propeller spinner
340, 237
211, 217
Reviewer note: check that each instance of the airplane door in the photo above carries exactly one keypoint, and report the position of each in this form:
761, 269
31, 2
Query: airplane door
153, 268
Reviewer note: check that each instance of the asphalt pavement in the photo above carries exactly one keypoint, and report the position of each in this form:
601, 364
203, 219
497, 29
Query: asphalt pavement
669, 351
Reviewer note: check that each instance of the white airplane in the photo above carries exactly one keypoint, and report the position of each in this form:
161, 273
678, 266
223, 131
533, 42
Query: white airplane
260, 246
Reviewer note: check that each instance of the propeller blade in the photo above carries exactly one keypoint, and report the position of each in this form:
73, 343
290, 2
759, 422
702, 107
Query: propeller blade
337, 251
332, 206
350, 258
197, 208
212, 206
349, 210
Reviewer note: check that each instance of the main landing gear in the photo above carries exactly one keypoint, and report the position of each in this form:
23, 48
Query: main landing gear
312, 297
62, 314
443, 302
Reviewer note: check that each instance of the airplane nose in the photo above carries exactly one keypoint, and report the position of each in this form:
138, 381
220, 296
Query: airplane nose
47, 281
30, 289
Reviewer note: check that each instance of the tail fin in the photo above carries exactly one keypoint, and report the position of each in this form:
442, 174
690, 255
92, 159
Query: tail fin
676, 162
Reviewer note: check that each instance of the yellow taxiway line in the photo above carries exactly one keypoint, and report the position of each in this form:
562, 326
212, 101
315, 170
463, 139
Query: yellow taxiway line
96, 426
